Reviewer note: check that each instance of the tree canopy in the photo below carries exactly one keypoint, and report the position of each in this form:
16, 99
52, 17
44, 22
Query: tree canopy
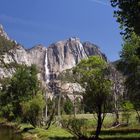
21, 96
127, 13
92, 76
131, 60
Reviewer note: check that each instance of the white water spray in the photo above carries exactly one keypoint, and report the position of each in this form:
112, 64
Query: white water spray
47, 73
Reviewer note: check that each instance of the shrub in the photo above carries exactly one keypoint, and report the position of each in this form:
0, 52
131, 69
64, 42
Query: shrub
32, 110
7, 112
68, 106
77, 127
127, 107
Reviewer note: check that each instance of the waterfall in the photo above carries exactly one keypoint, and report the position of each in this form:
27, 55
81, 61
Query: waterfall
47, 73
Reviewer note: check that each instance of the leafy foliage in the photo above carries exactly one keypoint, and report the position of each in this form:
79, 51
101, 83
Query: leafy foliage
68, 106
32, 109
128, 15
127, 107
131, 60
76, 127
92, 75
20, 96
91, 72
5, 45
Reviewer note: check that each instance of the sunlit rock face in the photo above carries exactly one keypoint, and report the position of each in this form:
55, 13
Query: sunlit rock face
66, 54
17, 55
3, 33
51, 60
37, 56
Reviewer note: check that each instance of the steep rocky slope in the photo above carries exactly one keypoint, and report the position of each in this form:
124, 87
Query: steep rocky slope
3, 33
51, 60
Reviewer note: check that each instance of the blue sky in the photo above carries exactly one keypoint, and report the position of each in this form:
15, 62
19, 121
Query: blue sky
32, 22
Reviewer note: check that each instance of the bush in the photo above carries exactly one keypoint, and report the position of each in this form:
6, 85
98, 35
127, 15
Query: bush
5, 45
127, 107
32, 110
77, 127
68, 106
7, 112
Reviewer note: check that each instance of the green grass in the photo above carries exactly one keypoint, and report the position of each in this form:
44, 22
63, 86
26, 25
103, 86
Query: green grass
52, 133
130, 132
2, 120
25, 127
109, 119
121, 136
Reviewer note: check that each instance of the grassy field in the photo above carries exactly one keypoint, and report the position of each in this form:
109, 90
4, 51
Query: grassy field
130, 132
55, 132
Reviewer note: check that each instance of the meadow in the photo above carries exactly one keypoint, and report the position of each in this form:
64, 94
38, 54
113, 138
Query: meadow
120, 132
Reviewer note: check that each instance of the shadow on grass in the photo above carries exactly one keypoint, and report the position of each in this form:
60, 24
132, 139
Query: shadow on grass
121, 138
117, 134
62, 138
120, 131
113, 138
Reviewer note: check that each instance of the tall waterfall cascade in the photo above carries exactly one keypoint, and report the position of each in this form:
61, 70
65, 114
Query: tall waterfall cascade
47, 73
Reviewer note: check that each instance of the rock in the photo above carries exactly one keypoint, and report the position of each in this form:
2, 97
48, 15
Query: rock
51, 60
3, 33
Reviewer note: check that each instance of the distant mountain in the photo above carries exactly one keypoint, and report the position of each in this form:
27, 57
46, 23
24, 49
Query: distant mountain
50, 60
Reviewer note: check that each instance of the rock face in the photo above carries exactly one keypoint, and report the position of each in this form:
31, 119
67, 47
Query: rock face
3, 33
51, 60
66, 54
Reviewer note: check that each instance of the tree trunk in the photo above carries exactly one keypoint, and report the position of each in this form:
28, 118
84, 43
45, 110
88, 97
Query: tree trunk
74, 110
138, 115
46, 112
46, 107
74, 105
116, 117
48, 123
99, 124
116, 108
59, 106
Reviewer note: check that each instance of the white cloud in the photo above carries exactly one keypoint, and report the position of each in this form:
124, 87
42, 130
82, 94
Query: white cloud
12, 19
31, 23
100, 2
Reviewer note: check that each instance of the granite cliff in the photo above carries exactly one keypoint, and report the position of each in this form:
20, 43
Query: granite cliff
51, 60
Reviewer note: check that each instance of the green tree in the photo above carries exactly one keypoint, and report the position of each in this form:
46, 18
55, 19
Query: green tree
127, 108
77, 127
32, 109
23, 86
131, 60
68, 106
20, 91
92, 74
6, 107
5, 45
127, 13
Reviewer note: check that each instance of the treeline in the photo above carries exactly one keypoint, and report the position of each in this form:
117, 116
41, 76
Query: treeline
127, 14
21, 97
